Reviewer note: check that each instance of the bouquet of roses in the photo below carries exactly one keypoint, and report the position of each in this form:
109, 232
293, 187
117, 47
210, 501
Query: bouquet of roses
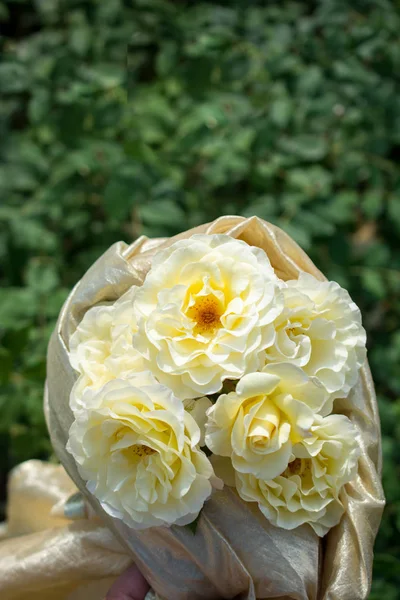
212, 389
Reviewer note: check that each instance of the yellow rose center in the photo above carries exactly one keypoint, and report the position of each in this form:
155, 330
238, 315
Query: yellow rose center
142, 450
260, 440
206, 312
298, 466
297, 327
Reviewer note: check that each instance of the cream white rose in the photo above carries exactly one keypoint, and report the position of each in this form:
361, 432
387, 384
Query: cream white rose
137, 449
309, 489
101, 347
205, 313
258, 424
320, 331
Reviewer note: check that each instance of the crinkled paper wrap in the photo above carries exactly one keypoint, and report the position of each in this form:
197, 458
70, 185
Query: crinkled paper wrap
236, 552
47, 551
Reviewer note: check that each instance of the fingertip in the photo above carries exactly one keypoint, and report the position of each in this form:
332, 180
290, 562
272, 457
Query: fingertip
131, 585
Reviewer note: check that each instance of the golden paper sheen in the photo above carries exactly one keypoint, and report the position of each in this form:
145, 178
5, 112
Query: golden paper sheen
43, 555
236, 552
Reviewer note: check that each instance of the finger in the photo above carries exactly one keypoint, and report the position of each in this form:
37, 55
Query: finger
131, 585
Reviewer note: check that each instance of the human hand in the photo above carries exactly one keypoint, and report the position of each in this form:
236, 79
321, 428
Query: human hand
131, 585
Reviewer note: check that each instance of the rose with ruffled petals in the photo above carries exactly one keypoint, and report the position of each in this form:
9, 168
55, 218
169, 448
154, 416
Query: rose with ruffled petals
309, 489
101, 347
320, 331
205, 313
258, 424
137, 449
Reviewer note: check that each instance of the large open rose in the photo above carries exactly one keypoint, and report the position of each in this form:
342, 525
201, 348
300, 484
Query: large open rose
257, 424
137, 449
320, 330
101, 346
205, 313
308, 490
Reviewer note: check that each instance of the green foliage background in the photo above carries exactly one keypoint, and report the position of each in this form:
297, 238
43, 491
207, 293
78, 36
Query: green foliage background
149, 117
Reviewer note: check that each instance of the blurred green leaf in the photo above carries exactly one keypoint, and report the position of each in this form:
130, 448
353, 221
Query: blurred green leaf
6, 364
307, 147
394, 210
163, 214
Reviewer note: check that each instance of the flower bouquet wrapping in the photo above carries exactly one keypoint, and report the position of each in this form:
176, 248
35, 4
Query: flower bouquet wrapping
210, 396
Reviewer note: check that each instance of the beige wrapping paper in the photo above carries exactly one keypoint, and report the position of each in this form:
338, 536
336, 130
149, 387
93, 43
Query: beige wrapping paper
47, 556
235, 552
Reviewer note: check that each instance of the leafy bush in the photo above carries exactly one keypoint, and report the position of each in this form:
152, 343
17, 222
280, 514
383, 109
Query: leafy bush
149, 117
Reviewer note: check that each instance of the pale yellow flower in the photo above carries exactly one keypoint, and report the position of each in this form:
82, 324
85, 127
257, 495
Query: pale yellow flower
137, 449
205, 313
101, 347
320, 331
258, 424
310, 488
